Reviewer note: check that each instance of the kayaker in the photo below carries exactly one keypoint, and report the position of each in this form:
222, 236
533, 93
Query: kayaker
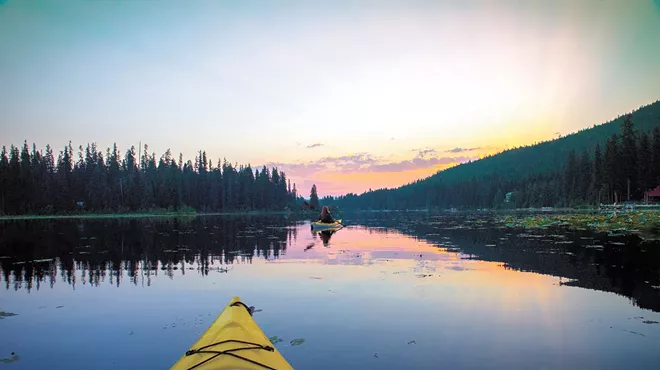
325, 216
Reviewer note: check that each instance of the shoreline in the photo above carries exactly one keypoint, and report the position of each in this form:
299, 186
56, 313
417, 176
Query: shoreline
520, 212
143, 215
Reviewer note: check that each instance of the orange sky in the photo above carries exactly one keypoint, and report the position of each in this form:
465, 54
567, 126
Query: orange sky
360, 172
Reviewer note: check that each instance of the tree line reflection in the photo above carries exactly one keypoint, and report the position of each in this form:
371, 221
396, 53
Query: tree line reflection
626, 265
33, 253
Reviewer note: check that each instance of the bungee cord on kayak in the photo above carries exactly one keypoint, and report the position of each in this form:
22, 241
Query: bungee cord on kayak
234, 330
230, 351
249, 309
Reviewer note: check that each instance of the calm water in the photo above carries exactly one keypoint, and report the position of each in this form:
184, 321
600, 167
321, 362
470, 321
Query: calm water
390, 291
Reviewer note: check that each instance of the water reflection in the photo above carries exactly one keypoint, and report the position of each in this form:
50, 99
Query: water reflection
625, 265
34, 253
325, 236
445, 286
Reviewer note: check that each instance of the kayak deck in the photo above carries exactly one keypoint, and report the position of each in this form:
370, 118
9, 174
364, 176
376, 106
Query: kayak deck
233, 341
324, 225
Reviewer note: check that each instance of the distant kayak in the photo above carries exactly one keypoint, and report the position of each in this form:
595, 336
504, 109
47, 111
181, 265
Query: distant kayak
317, 225
233, 341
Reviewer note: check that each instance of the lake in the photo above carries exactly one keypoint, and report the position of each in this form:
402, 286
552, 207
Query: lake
391, 290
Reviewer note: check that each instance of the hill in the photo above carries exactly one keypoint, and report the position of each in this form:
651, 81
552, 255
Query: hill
540, 169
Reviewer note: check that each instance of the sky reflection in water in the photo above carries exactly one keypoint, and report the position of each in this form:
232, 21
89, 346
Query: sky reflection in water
370, 298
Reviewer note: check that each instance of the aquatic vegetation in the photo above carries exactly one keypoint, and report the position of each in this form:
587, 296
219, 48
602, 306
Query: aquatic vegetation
14, 357
612, 223
4, 314
297, 342
275, 339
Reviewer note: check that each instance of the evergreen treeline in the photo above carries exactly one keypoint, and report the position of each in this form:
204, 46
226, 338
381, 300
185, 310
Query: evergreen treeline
38, 182
623, 168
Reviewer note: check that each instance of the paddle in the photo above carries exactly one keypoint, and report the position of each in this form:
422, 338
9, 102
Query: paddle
309, 206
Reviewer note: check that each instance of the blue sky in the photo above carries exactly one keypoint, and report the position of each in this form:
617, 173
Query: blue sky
306, 85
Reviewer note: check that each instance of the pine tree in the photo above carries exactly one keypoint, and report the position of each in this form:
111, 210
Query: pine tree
584, 177
498, 199
645, 177
282, 193
613, 169
4, 180
597, 177
629, 157
655, 157
314, 198
64, 180
570, 178
273, 189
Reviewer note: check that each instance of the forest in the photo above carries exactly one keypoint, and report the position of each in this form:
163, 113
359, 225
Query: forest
36, 182
613, 162
616, 161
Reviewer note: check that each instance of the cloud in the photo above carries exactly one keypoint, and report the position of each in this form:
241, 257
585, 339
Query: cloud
315, 145
353, 160
417, 163
462, 150
364, 162
360, 171
421, 153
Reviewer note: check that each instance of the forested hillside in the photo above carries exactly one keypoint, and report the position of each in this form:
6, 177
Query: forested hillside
590, 166
36, 182
615, 161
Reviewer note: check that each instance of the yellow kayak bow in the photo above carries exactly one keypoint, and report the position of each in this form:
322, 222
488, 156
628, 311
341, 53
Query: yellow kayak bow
233, 341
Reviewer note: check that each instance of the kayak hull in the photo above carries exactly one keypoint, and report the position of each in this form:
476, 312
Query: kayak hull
235, 332
317, 225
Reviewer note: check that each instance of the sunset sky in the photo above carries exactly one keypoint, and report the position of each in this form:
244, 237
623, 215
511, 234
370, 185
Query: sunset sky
347, 95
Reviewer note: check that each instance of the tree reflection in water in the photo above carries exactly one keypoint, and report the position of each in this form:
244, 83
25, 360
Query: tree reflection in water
33, 253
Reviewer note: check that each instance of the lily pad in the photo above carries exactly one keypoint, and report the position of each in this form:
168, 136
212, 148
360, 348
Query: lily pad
297, 342
275, 339
14, 358
4, 314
